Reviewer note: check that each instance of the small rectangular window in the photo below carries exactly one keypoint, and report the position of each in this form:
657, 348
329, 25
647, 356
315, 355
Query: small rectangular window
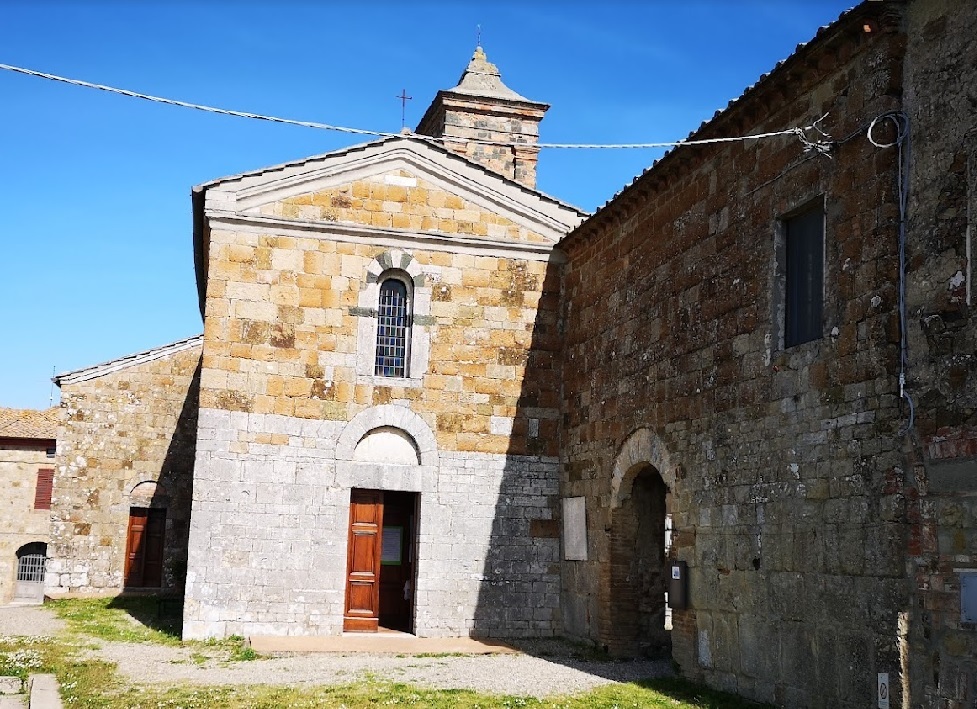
42, 494
804, 277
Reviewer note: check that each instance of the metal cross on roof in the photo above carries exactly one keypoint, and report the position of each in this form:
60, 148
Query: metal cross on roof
404, 98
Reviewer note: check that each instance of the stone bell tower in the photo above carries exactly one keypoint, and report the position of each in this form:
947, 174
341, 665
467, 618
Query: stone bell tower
482, 108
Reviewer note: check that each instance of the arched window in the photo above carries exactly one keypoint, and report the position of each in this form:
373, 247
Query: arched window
393, 328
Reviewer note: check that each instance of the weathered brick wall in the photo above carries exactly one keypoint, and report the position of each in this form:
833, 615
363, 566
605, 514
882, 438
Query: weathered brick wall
122, 428
288, 365
20, 523
784, 465
941, 76
516, 124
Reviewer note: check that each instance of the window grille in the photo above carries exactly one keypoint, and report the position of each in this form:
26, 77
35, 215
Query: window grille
393, 326
30, 567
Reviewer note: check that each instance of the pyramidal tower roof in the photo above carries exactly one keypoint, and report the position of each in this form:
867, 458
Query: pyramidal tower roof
482, 78
487, 122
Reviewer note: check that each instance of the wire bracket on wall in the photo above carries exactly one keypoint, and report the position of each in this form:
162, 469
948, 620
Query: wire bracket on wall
821, 147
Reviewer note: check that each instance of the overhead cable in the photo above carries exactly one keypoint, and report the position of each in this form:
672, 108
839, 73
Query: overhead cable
799, 132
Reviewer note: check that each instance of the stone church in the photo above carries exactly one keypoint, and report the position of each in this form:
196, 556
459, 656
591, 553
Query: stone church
429, 398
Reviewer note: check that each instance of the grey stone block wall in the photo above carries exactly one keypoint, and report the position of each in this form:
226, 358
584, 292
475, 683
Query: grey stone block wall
269, 528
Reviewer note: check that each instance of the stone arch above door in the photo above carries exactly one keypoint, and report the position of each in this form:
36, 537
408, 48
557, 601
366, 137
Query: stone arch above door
146, 491
641, 449
388, 416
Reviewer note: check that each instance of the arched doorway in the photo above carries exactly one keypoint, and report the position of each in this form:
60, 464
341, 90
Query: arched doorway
31, 559
382, 544
640, 537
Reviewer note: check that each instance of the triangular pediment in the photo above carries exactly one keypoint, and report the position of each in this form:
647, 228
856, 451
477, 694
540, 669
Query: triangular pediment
395, 185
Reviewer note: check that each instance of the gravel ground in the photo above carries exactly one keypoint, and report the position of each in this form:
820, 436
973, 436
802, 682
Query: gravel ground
545, 668
28, 620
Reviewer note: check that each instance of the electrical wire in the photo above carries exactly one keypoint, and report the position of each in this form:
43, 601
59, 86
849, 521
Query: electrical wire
900, 120
185, 104
800, 132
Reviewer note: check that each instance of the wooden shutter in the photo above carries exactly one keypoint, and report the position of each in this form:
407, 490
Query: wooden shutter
45, 485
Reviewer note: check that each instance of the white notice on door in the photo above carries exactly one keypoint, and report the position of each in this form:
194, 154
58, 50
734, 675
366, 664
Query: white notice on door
390, 553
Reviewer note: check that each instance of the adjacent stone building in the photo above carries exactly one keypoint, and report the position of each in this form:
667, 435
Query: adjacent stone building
27, 450
431, 398
741, 369
940, 466
121, 507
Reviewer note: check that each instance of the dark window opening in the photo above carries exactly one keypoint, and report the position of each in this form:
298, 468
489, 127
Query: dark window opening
804, 278
393, 326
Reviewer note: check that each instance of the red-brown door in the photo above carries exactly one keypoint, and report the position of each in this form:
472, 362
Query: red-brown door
144, 547
363, 561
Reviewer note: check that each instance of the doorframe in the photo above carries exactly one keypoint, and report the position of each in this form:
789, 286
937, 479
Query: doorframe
413, 544
126, 567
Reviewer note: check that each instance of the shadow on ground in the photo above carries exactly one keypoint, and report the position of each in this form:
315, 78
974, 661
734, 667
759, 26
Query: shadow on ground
161, 613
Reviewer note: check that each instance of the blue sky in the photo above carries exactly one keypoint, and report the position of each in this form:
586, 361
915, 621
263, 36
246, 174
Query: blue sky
95, 199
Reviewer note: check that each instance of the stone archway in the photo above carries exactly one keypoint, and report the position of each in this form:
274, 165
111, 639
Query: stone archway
634, 577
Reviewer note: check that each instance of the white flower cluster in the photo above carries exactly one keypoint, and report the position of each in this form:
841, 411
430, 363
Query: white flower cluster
22, 639
22, 659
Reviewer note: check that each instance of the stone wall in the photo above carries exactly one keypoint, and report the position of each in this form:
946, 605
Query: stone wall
270, 524
20, 522
783, 464
941, 76
126, 426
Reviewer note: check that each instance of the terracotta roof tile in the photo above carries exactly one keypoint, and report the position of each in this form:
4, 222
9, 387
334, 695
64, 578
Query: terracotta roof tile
29, 423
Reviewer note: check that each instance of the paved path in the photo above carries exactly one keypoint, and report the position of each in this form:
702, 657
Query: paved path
396, 643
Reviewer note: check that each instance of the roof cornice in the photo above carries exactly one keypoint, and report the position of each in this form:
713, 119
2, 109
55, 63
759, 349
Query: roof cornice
383, 236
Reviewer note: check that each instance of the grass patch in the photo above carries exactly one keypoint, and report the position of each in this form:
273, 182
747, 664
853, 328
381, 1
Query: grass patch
93, 685
132, 620
243, 653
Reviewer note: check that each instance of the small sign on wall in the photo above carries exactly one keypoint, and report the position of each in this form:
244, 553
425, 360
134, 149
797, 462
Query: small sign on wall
883, 690
575, 528
968, 596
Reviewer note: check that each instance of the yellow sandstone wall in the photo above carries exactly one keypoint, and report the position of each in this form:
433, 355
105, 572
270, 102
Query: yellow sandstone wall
281, 337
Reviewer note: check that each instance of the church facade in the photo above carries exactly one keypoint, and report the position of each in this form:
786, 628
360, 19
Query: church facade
369, 450
433, 399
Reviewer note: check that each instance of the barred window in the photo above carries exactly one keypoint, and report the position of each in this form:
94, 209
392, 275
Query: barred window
393, 329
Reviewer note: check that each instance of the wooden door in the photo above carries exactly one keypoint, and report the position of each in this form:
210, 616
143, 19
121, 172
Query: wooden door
397, 561
363, 561
144, 547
